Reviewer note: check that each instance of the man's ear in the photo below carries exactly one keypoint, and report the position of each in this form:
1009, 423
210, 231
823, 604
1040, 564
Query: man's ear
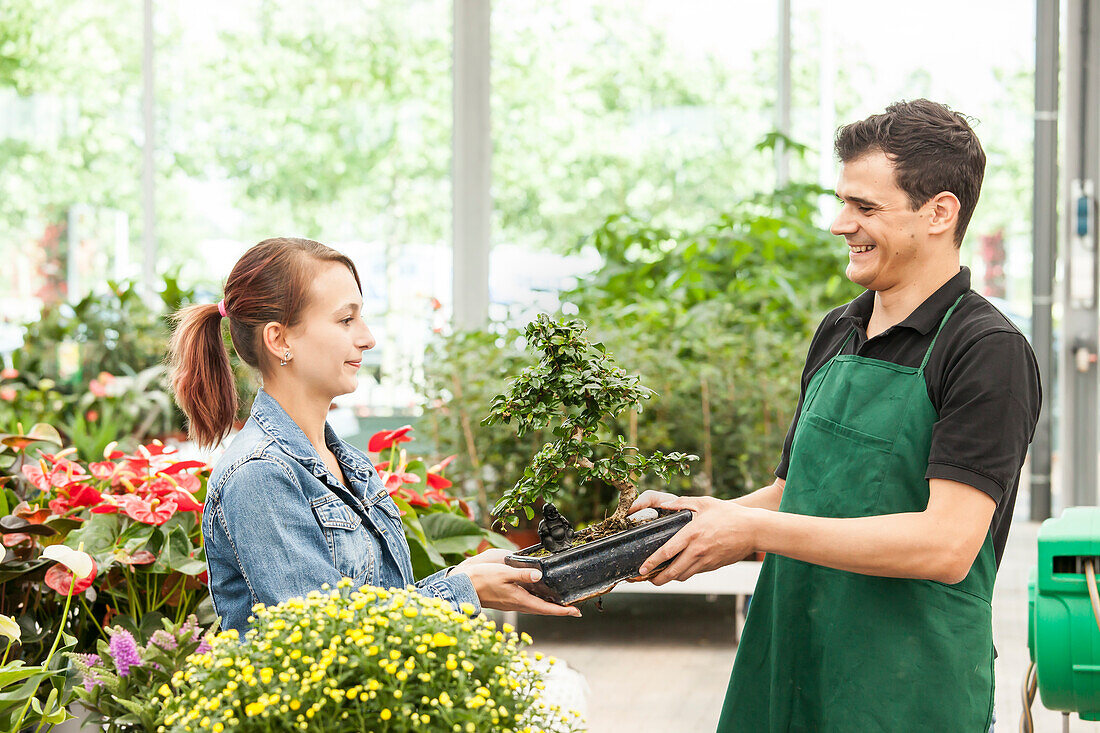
944, 208
275, 340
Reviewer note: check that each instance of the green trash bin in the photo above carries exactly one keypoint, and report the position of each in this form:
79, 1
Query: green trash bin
1063, 637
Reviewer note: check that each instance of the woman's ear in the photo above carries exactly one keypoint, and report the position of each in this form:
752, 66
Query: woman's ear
275, 345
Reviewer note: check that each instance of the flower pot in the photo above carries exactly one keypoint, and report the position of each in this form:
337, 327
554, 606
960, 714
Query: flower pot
590, 570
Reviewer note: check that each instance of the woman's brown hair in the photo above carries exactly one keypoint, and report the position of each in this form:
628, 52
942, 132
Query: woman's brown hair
269, 283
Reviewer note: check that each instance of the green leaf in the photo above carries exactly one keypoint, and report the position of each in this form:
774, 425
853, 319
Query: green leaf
442, 525
425, 561
15, 672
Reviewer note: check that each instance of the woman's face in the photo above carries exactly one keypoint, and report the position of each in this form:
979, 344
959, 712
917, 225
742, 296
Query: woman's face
327, 345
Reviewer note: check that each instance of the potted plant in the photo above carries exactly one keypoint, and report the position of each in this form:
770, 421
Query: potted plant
345, 660
576, 389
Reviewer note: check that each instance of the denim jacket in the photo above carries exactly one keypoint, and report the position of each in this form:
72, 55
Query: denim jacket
277, 524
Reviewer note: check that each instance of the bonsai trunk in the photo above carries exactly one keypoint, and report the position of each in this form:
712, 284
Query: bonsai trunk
628, 492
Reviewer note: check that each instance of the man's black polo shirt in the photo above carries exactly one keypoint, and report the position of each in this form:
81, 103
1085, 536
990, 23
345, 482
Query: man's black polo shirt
982, 379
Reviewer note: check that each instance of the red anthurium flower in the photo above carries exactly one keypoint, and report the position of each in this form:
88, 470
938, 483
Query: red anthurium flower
103, 470
410, 496
382, 466
13, 539
33, 514
438, 482
437, 496
438, 468
187, 481
182, 466
81, 494
46, 478
60, 505
36, 474
60, 578
153, 512
386, 439
183, 499
395, 479
141, 557
107, 507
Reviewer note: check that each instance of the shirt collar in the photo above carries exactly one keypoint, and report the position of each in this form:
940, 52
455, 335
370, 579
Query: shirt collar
927, 315
270, 415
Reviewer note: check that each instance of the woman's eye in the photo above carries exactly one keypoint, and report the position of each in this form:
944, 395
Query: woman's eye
347, 320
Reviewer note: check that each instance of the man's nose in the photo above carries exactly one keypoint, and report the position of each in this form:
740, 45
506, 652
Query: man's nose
843, 224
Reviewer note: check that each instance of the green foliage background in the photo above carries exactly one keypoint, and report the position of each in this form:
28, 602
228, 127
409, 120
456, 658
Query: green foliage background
719, 316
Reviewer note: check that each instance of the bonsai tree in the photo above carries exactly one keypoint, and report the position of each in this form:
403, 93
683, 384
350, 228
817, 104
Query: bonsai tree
576, 386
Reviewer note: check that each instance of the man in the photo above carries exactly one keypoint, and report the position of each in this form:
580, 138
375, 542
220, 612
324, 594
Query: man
892, 500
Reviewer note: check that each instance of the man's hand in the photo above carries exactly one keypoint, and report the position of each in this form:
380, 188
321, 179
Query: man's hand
500, 586
720, 533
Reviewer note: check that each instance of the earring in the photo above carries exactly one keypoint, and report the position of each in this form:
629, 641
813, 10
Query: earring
286, 358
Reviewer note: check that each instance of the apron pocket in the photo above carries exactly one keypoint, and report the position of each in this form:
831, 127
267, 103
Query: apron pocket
854, 460
856, 436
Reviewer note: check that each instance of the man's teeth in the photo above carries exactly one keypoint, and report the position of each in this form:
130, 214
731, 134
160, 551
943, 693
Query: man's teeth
864, 248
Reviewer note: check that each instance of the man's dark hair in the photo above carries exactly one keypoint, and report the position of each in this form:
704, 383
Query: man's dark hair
932, 147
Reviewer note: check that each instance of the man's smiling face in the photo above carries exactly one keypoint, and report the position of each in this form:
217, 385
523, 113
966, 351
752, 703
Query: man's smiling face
886, 238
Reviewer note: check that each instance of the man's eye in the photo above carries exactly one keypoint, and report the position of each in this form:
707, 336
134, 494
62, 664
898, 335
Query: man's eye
865, 209
347, 320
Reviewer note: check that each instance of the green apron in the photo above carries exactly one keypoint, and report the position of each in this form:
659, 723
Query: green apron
828, 650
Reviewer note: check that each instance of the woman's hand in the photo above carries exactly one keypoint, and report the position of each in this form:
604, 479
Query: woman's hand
500, 586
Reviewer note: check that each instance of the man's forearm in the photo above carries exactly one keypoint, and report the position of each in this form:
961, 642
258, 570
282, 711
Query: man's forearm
890, 545
767, 497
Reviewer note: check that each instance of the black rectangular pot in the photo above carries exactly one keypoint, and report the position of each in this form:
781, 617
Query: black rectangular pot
593, 569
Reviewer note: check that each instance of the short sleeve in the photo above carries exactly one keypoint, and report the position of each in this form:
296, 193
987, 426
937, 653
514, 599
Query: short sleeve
989, 405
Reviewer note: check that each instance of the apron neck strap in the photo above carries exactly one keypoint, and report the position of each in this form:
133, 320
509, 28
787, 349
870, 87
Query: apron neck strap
943, 321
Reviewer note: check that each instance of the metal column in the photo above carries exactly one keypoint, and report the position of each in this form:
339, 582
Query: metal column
783, 94
148, 181
470, 173
1081, 322
1044, 224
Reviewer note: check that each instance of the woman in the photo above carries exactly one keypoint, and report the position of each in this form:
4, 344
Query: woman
290, 506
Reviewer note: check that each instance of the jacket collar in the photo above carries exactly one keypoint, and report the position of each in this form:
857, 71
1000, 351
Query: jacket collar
927, 315
274, 420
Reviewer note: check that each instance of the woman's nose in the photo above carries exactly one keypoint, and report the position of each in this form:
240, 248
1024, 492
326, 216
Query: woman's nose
366, 341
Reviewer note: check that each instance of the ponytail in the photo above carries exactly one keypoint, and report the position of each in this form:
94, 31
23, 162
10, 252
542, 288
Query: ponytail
202, 378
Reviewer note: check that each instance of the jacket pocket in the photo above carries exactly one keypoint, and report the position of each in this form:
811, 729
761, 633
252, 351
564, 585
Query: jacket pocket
349, 543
